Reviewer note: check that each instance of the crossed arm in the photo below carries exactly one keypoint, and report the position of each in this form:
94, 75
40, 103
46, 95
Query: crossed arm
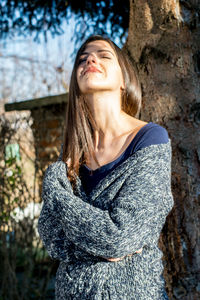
132, 222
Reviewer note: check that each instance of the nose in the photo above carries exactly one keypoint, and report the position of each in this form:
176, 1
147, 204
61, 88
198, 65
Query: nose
91, 59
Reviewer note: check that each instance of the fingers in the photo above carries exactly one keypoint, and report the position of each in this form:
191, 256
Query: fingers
139, 251
120, 258
115, 259
68, 162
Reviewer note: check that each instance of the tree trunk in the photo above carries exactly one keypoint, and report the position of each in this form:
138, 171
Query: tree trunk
164, 43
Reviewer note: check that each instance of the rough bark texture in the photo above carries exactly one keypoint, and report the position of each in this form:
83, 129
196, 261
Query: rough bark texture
164, 42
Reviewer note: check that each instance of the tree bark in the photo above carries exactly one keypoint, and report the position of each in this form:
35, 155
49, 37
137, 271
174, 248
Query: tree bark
164, 43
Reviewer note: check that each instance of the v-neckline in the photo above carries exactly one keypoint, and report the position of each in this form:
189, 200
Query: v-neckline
118, 158
123, 168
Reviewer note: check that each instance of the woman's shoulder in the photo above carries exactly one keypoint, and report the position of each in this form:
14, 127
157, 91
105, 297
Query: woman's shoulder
149, 130
155, 133
150, 134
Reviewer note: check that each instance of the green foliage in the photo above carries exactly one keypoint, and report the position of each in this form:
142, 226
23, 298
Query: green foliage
12, 176
26, 17
26, 271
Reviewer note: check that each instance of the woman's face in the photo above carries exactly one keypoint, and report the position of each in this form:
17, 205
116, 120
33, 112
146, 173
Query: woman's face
98, 69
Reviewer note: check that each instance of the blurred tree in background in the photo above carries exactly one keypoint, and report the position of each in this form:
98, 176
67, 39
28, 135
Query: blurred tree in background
35, 17
162, 38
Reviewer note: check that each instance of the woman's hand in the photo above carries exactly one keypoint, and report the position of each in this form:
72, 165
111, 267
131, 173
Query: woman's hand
120, 258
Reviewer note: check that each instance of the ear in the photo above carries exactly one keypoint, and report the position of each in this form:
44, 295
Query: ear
122, 85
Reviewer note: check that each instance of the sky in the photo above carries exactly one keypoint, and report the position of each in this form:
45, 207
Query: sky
30, 69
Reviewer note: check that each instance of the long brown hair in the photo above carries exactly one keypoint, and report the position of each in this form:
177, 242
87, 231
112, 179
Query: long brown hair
79, 126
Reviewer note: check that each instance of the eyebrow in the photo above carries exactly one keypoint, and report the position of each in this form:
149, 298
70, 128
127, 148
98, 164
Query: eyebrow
101, 50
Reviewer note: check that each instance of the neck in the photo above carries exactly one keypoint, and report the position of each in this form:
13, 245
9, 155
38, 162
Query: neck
110, 120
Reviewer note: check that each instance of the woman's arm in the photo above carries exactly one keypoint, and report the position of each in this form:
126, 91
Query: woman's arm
52, 234
135, 218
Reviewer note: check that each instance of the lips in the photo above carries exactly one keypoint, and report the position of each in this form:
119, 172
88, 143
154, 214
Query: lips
91, 69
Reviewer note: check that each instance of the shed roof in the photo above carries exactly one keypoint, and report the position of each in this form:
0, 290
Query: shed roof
38, 102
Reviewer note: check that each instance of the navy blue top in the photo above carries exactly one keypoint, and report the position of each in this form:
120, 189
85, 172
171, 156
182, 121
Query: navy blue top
149, 134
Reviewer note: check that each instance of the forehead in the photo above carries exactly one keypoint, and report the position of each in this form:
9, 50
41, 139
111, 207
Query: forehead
98, 46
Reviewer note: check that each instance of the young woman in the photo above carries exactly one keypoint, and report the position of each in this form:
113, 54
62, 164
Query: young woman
107, 197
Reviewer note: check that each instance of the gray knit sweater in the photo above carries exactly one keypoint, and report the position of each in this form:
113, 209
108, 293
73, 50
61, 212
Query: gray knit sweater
125, 212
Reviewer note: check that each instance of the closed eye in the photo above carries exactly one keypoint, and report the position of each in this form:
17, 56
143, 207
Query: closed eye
81, 60
104, 55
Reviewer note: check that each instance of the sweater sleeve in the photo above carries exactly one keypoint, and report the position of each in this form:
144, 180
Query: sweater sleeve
52, 234
134, 219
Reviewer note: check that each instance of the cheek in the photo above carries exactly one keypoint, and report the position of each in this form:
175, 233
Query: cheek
118, 74
78, 73
121, 79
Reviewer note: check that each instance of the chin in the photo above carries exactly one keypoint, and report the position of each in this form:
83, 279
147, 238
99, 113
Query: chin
92, 88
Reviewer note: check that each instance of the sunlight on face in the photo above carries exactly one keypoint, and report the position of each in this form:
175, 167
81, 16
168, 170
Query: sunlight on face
98, 69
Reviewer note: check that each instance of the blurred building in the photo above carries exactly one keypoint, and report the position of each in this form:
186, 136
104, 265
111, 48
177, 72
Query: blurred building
40, 137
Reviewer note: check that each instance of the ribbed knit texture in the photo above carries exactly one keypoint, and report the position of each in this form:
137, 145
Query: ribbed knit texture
125, 212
